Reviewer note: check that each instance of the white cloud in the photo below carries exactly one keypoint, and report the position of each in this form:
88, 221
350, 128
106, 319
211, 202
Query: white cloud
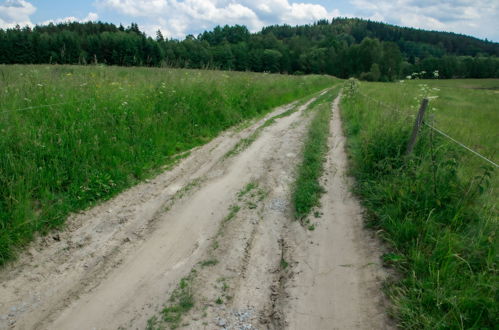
475, 17
177, 18
91, 17
16, 12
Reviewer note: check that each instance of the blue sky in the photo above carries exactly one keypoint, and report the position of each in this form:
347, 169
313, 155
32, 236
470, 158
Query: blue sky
177, 18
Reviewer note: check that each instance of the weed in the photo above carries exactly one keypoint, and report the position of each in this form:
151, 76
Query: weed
210, 262
311, 227
181, 301
251, 205
233, 209
219, 301
249, 187
152, 323
284, 264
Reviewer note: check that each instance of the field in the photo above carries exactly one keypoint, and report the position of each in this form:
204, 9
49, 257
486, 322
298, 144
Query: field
436, 208
72, 135
209, 199
212, 241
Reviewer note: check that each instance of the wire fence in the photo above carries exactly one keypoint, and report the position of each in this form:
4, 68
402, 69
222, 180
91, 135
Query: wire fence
41, 106
392, 107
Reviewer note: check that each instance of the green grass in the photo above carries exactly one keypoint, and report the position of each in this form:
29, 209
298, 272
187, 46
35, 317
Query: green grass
209, 262
307, 188
233, 210
249, 187
108, 128
181, 302
435, 209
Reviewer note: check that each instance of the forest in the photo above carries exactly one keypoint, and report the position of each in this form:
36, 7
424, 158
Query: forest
342, 47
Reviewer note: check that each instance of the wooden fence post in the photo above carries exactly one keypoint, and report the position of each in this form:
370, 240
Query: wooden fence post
417, 125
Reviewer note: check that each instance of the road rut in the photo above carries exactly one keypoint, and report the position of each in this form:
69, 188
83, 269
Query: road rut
116, 264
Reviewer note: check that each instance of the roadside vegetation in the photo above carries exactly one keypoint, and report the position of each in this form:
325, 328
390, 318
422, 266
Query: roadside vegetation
72, 136
436, 208
307, 188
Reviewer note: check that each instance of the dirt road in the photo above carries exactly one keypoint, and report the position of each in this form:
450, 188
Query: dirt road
228, 219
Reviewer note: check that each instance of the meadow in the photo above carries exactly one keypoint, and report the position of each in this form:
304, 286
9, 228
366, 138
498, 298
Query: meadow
435, 208
72, 136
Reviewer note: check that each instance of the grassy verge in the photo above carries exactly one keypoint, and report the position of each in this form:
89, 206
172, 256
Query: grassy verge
432, 208
307, 189
107, 128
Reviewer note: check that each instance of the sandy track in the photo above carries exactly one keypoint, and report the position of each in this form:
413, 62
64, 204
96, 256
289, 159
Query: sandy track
279, 275
338, 276
117, 264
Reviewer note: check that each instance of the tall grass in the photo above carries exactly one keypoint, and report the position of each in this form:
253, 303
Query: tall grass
433, 208
115, 126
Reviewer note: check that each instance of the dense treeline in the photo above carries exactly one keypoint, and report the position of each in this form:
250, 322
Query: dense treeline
342, 47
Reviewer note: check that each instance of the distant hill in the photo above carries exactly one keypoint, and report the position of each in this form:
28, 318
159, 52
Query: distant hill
343, 47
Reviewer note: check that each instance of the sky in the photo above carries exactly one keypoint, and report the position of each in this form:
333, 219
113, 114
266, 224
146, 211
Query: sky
178, 18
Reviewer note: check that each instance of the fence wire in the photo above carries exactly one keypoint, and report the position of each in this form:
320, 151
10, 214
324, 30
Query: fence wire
433, 128
460, 144
41, 106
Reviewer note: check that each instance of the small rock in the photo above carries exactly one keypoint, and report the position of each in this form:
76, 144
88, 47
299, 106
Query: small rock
221, 322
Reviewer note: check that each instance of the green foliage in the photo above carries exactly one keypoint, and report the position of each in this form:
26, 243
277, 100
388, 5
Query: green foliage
341, 47
435, 215
233, 210
249, 187
108, 128
210, 262
181, 301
